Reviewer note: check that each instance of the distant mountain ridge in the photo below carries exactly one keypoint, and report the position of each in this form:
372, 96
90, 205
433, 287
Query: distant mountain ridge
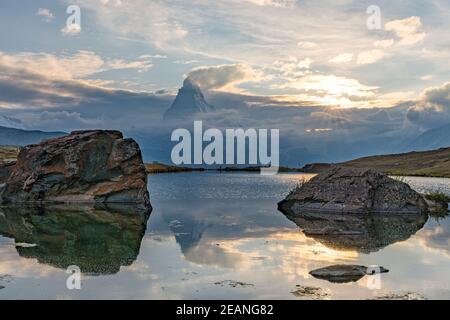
20, 137
432, 139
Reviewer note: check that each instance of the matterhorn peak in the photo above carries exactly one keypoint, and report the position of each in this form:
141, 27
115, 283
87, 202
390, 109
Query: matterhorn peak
189, 101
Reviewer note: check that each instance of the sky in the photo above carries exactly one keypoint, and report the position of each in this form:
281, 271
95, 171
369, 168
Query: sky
313, 68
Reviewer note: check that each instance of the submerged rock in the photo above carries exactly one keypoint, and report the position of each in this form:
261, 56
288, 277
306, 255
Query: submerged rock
352, 190
345, 273
83, 167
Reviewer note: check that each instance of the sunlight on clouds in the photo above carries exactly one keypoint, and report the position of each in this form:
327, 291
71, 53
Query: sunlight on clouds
66, 67
332, 85
342, 58
79, 65
307, 44
408, 30
225, 77
384, 43
369, 57
274, 3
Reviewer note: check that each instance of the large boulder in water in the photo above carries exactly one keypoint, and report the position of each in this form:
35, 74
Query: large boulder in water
84, 167
354, 190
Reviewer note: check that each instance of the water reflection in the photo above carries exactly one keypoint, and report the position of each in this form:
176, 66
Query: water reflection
224, 228
98, 239
362, 233
204, 231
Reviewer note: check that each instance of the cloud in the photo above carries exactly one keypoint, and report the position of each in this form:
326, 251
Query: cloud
118, 64
80, 65
292, 67
369, 57
384, 43
306, 44
56, 93
273, 3
408, 30
331, 89
342, 58
433, 107
71, 30
152, 56
46, 14
223, 76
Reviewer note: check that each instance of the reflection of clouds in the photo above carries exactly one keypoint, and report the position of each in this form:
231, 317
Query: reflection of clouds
292, 251
298, 255
12, 264
213, 255
437, 238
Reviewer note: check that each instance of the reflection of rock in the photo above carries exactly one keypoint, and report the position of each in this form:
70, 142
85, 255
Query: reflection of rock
349, 190
345, 273
362, 233
98, 240
83, 167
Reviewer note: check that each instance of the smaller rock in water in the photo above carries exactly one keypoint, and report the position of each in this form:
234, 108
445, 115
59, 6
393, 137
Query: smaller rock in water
353, 190
2, 287
345, 273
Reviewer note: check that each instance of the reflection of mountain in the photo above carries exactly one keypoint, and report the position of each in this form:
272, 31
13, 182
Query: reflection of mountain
189, 101
362, 233
201, 227
98, 240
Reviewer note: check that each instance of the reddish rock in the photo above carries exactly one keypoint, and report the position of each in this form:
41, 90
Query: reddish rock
83, 167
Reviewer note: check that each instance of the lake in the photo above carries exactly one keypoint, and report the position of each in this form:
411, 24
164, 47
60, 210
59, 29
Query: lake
213, 236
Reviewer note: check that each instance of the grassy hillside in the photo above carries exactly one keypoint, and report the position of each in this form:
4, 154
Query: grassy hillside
164, 168
434, 163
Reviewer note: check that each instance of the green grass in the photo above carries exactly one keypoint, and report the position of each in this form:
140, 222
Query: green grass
438, 197
156, 167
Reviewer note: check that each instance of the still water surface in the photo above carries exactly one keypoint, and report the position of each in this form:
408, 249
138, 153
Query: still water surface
212, 236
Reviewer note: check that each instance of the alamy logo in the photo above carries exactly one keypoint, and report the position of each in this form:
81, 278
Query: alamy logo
73, 22
374, 20
374, 282
238, 147
73, 282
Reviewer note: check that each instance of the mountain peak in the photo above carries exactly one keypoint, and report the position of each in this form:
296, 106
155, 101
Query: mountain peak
189, 101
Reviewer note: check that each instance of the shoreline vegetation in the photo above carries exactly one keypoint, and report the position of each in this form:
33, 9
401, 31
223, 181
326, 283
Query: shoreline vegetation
156, 168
